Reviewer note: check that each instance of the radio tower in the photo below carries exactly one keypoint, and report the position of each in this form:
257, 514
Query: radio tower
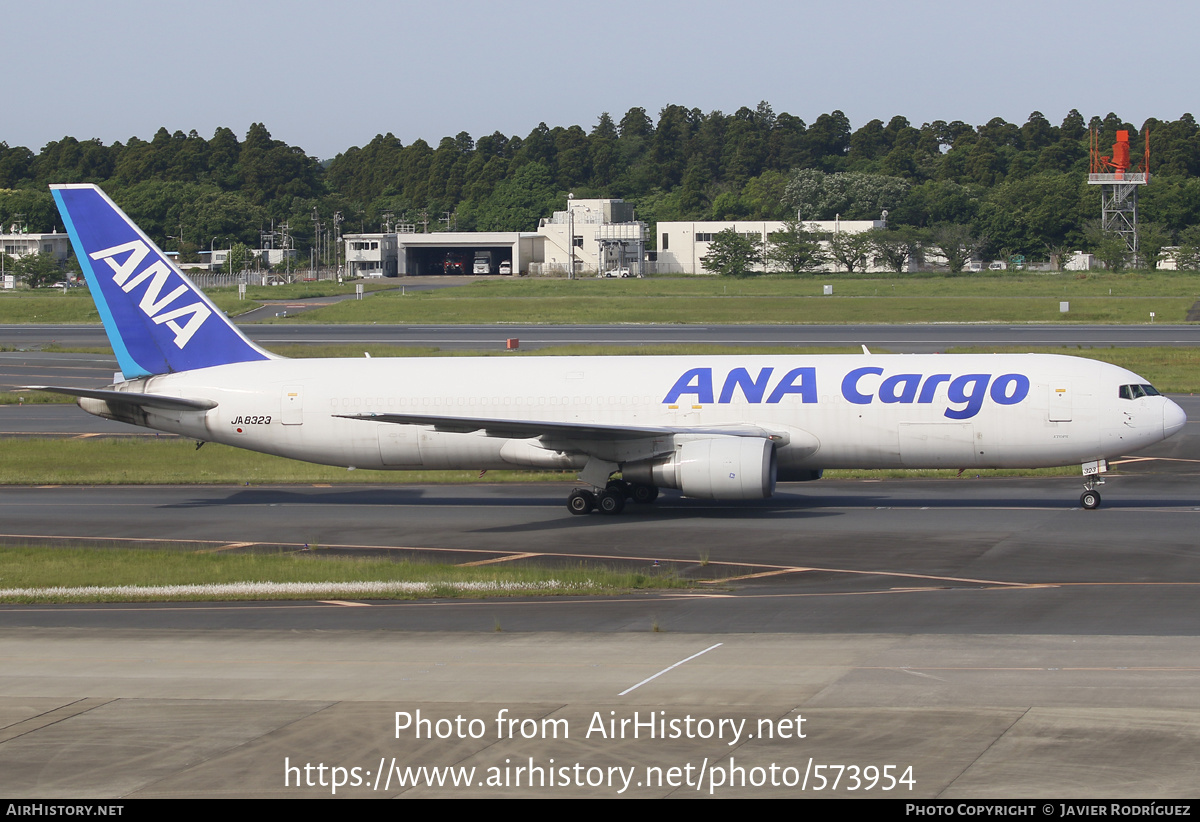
1119, 181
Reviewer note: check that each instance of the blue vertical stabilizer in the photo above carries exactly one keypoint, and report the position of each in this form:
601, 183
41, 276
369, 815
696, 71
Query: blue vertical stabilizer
157, 320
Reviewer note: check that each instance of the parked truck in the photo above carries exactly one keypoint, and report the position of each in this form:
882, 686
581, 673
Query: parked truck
483, 263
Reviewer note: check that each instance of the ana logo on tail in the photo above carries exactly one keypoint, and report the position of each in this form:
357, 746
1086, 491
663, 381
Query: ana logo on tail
157, 320
126, 275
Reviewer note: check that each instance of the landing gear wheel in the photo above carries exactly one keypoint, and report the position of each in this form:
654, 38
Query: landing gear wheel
581, 502
619, 487
611, 502
1090, 499
644, 494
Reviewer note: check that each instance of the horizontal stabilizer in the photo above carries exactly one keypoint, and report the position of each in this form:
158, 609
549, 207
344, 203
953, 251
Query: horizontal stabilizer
128, 397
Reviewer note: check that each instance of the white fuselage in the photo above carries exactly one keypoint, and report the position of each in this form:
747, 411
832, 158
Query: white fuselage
829, 411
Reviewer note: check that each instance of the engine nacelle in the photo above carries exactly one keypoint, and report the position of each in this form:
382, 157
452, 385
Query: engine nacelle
719, 468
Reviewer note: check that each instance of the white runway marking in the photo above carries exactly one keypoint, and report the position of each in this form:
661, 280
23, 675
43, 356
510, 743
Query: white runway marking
671, 667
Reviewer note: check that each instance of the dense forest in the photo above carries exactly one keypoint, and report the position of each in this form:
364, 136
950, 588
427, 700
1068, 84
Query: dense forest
1021, 187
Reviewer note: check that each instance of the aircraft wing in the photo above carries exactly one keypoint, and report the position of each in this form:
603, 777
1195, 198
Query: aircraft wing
525, 429
128, 398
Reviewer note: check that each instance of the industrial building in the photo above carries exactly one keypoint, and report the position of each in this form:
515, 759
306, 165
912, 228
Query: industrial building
266, 256
409, 254
604, 237
683, 245
19, 244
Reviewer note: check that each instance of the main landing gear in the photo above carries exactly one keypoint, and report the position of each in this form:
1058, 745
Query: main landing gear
612, 499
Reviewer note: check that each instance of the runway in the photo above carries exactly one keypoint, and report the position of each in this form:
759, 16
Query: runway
972, 554
988, 637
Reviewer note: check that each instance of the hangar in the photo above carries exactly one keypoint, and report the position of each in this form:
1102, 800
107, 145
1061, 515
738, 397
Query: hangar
439, 252
605, 236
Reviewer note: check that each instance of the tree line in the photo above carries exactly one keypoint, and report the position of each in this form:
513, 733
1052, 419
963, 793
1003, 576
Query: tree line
1015, 188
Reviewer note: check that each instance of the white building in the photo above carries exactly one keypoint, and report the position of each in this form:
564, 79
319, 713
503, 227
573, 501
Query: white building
604, 233
1079, 261
266, 256
1169, 261
370, 255
20, 244
682, 246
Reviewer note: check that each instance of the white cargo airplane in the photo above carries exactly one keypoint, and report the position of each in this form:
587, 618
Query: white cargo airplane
717, 427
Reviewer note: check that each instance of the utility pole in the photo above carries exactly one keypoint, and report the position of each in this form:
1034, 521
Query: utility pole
318, 226
338, 219
571, 234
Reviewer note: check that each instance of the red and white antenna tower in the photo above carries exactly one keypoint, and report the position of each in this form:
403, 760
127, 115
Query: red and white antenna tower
1119, 180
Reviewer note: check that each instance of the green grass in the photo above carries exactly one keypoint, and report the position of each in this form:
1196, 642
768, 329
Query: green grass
577, 350
301, 291
168, 460
986, 284
43, 567
33, 398
1171, 370
231, 305
983, 297
76, 307
780, 300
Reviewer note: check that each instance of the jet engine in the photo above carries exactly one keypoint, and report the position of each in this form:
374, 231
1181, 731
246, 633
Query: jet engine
719, 468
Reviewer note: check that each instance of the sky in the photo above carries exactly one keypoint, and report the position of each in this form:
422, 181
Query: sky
328, 76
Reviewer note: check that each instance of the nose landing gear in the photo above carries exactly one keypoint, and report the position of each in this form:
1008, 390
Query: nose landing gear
1092, 477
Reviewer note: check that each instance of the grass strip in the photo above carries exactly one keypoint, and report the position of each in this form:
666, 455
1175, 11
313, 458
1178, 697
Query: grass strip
1170, 370
299, 351
76, 307
33, 573
33, 398
1060, 285
304, 290
427, 308
175, 461
1095, 297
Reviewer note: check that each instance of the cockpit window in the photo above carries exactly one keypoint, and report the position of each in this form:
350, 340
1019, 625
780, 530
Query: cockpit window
1133, 392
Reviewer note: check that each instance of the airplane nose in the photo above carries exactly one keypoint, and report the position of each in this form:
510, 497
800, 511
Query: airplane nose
1173, 418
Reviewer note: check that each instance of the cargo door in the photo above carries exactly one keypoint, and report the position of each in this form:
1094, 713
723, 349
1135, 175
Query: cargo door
1061, 401
291, 405
399, 444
